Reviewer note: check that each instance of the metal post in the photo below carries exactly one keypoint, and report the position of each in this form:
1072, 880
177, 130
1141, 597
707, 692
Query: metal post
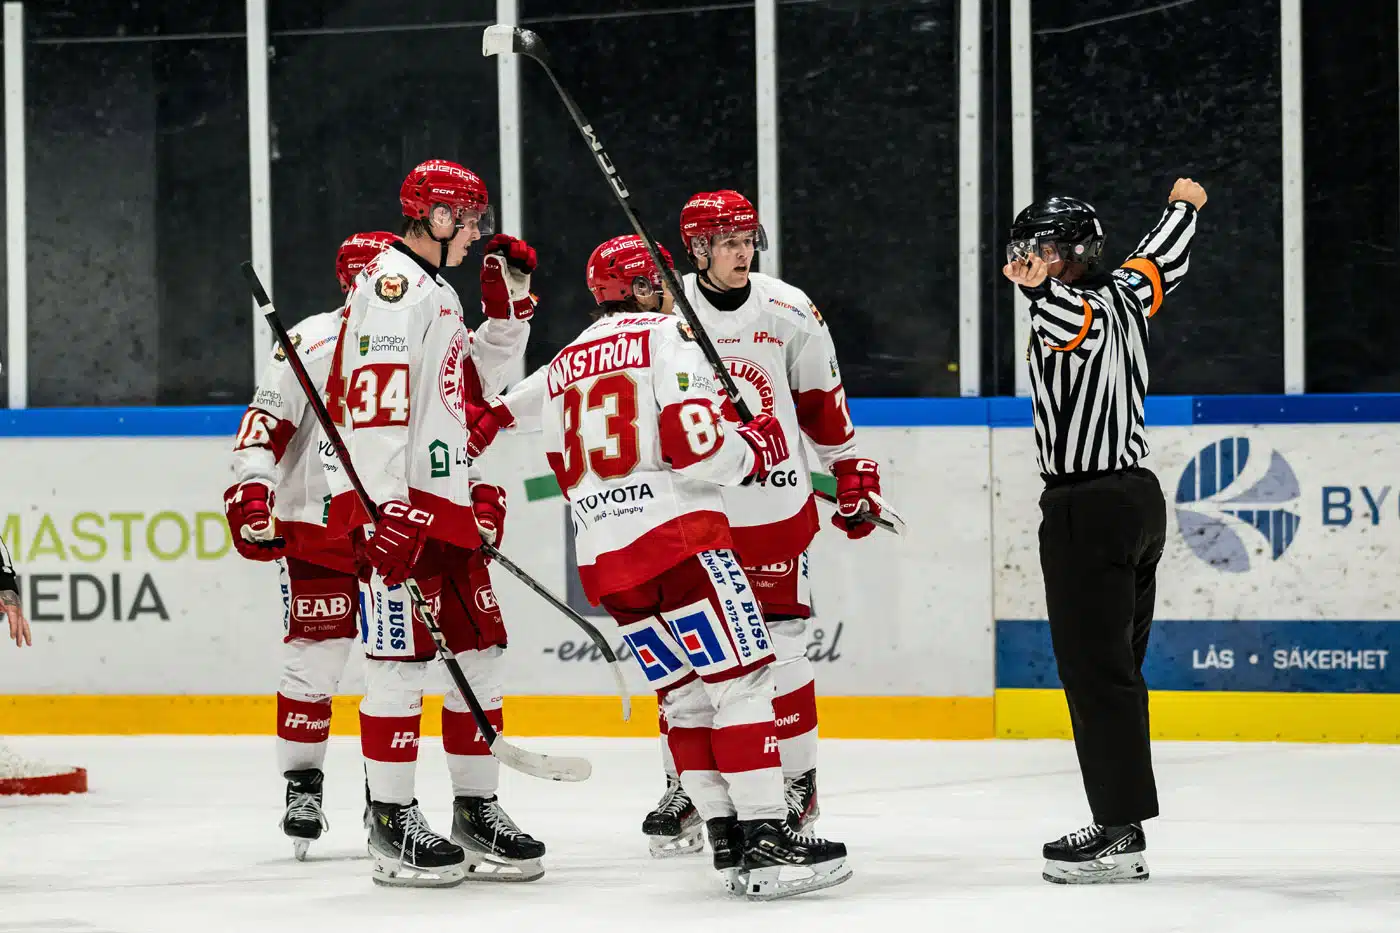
766, 91
1291, 82
259, 171
969, 197
1022, 167
512, 192
16, 236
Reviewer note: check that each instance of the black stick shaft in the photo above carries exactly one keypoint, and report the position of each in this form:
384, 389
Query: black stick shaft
520, 574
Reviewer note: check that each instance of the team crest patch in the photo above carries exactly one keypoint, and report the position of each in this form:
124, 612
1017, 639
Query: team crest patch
364, 345
391, 288
280, 355
816, 314
683, 380
686, 332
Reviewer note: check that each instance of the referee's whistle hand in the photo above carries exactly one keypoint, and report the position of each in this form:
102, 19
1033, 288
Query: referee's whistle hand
1187, 190
1029, 273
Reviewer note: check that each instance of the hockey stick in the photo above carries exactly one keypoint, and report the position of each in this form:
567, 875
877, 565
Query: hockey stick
590, 630
553, 767
502, 38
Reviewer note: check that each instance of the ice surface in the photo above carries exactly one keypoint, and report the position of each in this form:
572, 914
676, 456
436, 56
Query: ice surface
180, 834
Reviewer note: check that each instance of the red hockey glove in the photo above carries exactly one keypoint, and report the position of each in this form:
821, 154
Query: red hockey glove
359, 547
483, 424
248, 508
398, 541
505, 278
765, 435
489, 505
855, 481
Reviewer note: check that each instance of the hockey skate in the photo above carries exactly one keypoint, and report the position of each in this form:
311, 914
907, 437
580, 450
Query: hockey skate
407, 853
727, 843
496, 848
674, 827
1097, 855
303, 821
780, 862
801, 795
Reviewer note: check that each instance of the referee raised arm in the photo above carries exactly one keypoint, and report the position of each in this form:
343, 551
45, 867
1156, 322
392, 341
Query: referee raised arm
1103, 518
10, 605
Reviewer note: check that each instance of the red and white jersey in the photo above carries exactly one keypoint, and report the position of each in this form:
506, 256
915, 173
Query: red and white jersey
278, 444
634, 433
406, 365
779, 351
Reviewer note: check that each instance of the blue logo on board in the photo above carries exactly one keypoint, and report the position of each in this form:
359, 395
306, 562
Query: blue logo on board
1215, 513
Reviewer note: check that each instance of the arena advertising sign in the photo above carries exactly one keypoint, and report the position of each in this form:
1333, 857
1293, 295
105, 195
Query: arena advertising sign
134, 586
1279, 568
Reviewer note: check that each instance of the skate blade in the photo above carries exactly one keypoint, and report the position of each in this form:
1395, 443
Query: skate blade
736, 881
299, 849
1112, 870
768, 884
485, 868
691, 841
389, 872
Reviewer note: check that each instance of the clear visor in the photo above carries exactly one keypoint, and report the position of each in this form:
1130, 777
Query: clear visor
644, 286
461, 215
1023, 250
707, 245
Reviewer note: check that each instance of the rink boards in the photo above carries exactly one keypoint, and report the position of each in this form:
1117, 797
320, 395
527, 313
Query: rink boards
1276, 604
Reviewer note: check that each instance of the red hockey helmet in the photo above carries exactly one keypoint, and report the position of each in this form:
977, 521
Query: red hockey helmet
714, 213
622, 267
439, 182
356, 252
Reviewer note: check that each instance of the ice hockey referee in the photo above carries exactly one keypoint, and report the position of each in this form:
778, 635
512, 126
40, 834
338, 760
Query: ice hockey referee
1103, 517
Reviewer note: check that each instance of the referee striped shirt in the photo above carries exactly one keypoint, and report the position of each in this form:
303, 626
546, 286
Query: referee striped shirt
1088, 353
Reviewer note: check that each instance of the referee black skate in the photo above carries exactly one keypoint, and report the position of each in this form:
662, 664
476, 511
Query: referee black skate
1103, 517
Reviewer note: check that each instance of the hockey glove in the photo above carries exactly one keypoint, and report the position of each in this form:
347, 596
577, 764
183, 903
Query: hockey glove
765, 435
248, 508
484, 423
398, 541
856, 480
489, 506
505, 279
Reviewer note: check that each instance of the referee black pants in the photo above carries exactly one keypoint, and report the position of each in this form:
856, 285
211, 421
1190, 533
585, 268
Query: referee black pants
1100, 541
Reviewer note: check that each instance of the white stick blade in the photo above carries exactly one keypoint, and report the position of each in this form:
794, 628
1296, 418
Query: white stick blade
498, 40
549, 767
622, 690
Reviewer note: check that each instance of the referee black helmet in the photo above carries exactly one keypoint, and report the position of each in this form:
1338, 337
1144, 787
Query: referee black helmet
1058, 228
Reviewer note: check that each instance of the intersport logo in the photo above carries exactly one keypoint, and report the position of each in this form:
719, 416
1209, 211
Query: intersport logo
1231, 492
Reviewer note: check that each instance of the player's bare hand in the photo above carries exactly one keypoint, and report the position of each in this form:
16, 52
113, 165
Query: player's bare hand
1187, 190
19, 625
1029, 273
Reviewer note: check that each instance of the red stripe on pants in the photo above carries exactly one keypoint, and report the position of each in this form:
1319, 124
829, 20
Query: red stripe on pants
795, 713
389, 738
300, 721
460, 736
692, 749
750, 747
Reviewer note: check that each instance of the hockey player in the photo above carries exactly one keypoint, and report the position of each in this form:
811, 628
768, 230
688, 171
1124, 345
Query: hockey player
406, 365
276, 511
634, 434
780, 353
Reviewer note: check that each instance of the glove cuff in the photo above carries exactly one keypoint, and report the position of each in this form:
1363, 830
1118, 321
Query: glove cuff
856, 465
502, 414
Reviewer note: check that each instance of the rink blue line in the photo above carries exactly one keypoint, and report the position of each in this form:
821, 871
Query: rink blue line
996, 412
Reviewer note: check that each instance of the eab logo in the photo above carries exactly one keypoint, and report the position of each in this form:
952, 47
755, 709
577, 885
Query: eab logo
1224, 490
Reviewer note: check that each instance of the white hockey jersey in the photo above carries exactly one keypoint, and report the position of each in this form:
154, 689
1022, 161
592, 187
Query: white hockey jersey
405, 367
779, 351
278, 444
634, 434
